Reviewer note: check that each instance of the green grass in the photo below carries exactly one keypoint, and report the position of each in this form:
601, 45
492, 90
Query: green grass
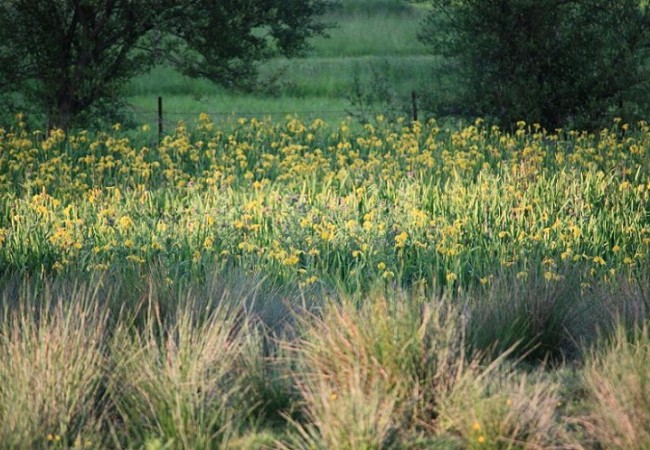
228, 107
373, 48
345, 7
335, 76
372, 32
310, 87
413, 202
303, 285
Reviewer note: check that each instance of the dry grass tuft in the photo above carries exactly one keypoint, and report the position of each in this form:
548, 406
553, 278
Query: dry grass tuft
51, 369
617, 378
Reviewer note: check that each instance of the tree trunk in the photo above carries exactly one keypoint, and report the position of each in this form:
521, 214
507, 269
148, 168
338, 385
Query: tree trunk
60, 116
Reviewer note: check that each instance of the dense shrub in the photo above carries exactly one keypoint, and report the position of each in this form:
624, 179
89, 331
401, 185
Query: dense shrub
548, 61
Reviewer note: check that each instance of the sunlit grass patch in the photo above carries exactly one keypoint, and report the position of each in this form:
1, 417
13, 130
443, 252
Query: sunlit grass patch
404, 203
504, 409
370, 372
180, 380
617, 380
52, 369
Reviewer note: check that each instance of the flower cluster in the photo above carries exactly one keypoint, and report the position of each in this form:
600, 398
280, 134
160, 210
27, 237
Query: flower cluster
309, 201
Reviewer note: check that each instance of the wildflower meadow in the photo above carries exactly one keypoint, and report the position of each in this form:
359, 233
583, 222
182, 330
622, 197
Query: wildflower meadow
305, 284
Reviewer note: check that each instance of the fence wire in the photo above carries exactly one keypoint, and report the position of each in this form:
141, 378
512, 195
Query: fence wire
170, 117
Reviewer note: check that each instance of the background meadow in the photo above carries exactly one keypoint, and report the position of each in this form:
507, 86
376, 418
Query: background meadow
369, 63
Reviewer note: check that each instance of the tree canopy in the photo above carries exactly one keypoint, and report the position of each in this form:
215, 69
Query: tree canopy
555, 62
70, 56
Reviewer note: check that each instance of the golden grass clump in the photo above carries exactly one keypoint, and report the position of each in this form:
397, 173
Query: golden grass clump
52, 370
617, 379
179, 382
394, 370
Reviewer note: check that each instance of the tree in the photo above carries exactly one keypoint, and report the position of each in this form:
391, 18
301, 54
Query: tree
70, 56
555, 62
221, 40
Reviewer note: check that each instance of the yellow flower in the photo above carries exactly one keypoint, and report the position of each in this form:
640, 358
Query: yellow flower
548, 262
575, 231
400, 239
552, 276
291, 260
311, 280
135, 259
124, 223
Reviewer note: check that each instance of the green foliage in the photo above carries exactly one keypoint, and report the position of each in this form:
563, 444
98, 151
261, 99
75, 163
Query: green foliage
412, 203
552, 62
70, 56
534, 318
225, 50
373, 97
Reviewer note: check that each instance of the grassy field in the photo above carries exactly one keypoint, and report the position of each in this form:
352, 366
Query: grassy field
306, 284
373, 48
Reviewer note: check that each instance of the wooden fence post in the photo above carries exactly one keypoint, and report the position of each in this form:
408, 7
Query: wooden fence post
160, 119
414, 101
